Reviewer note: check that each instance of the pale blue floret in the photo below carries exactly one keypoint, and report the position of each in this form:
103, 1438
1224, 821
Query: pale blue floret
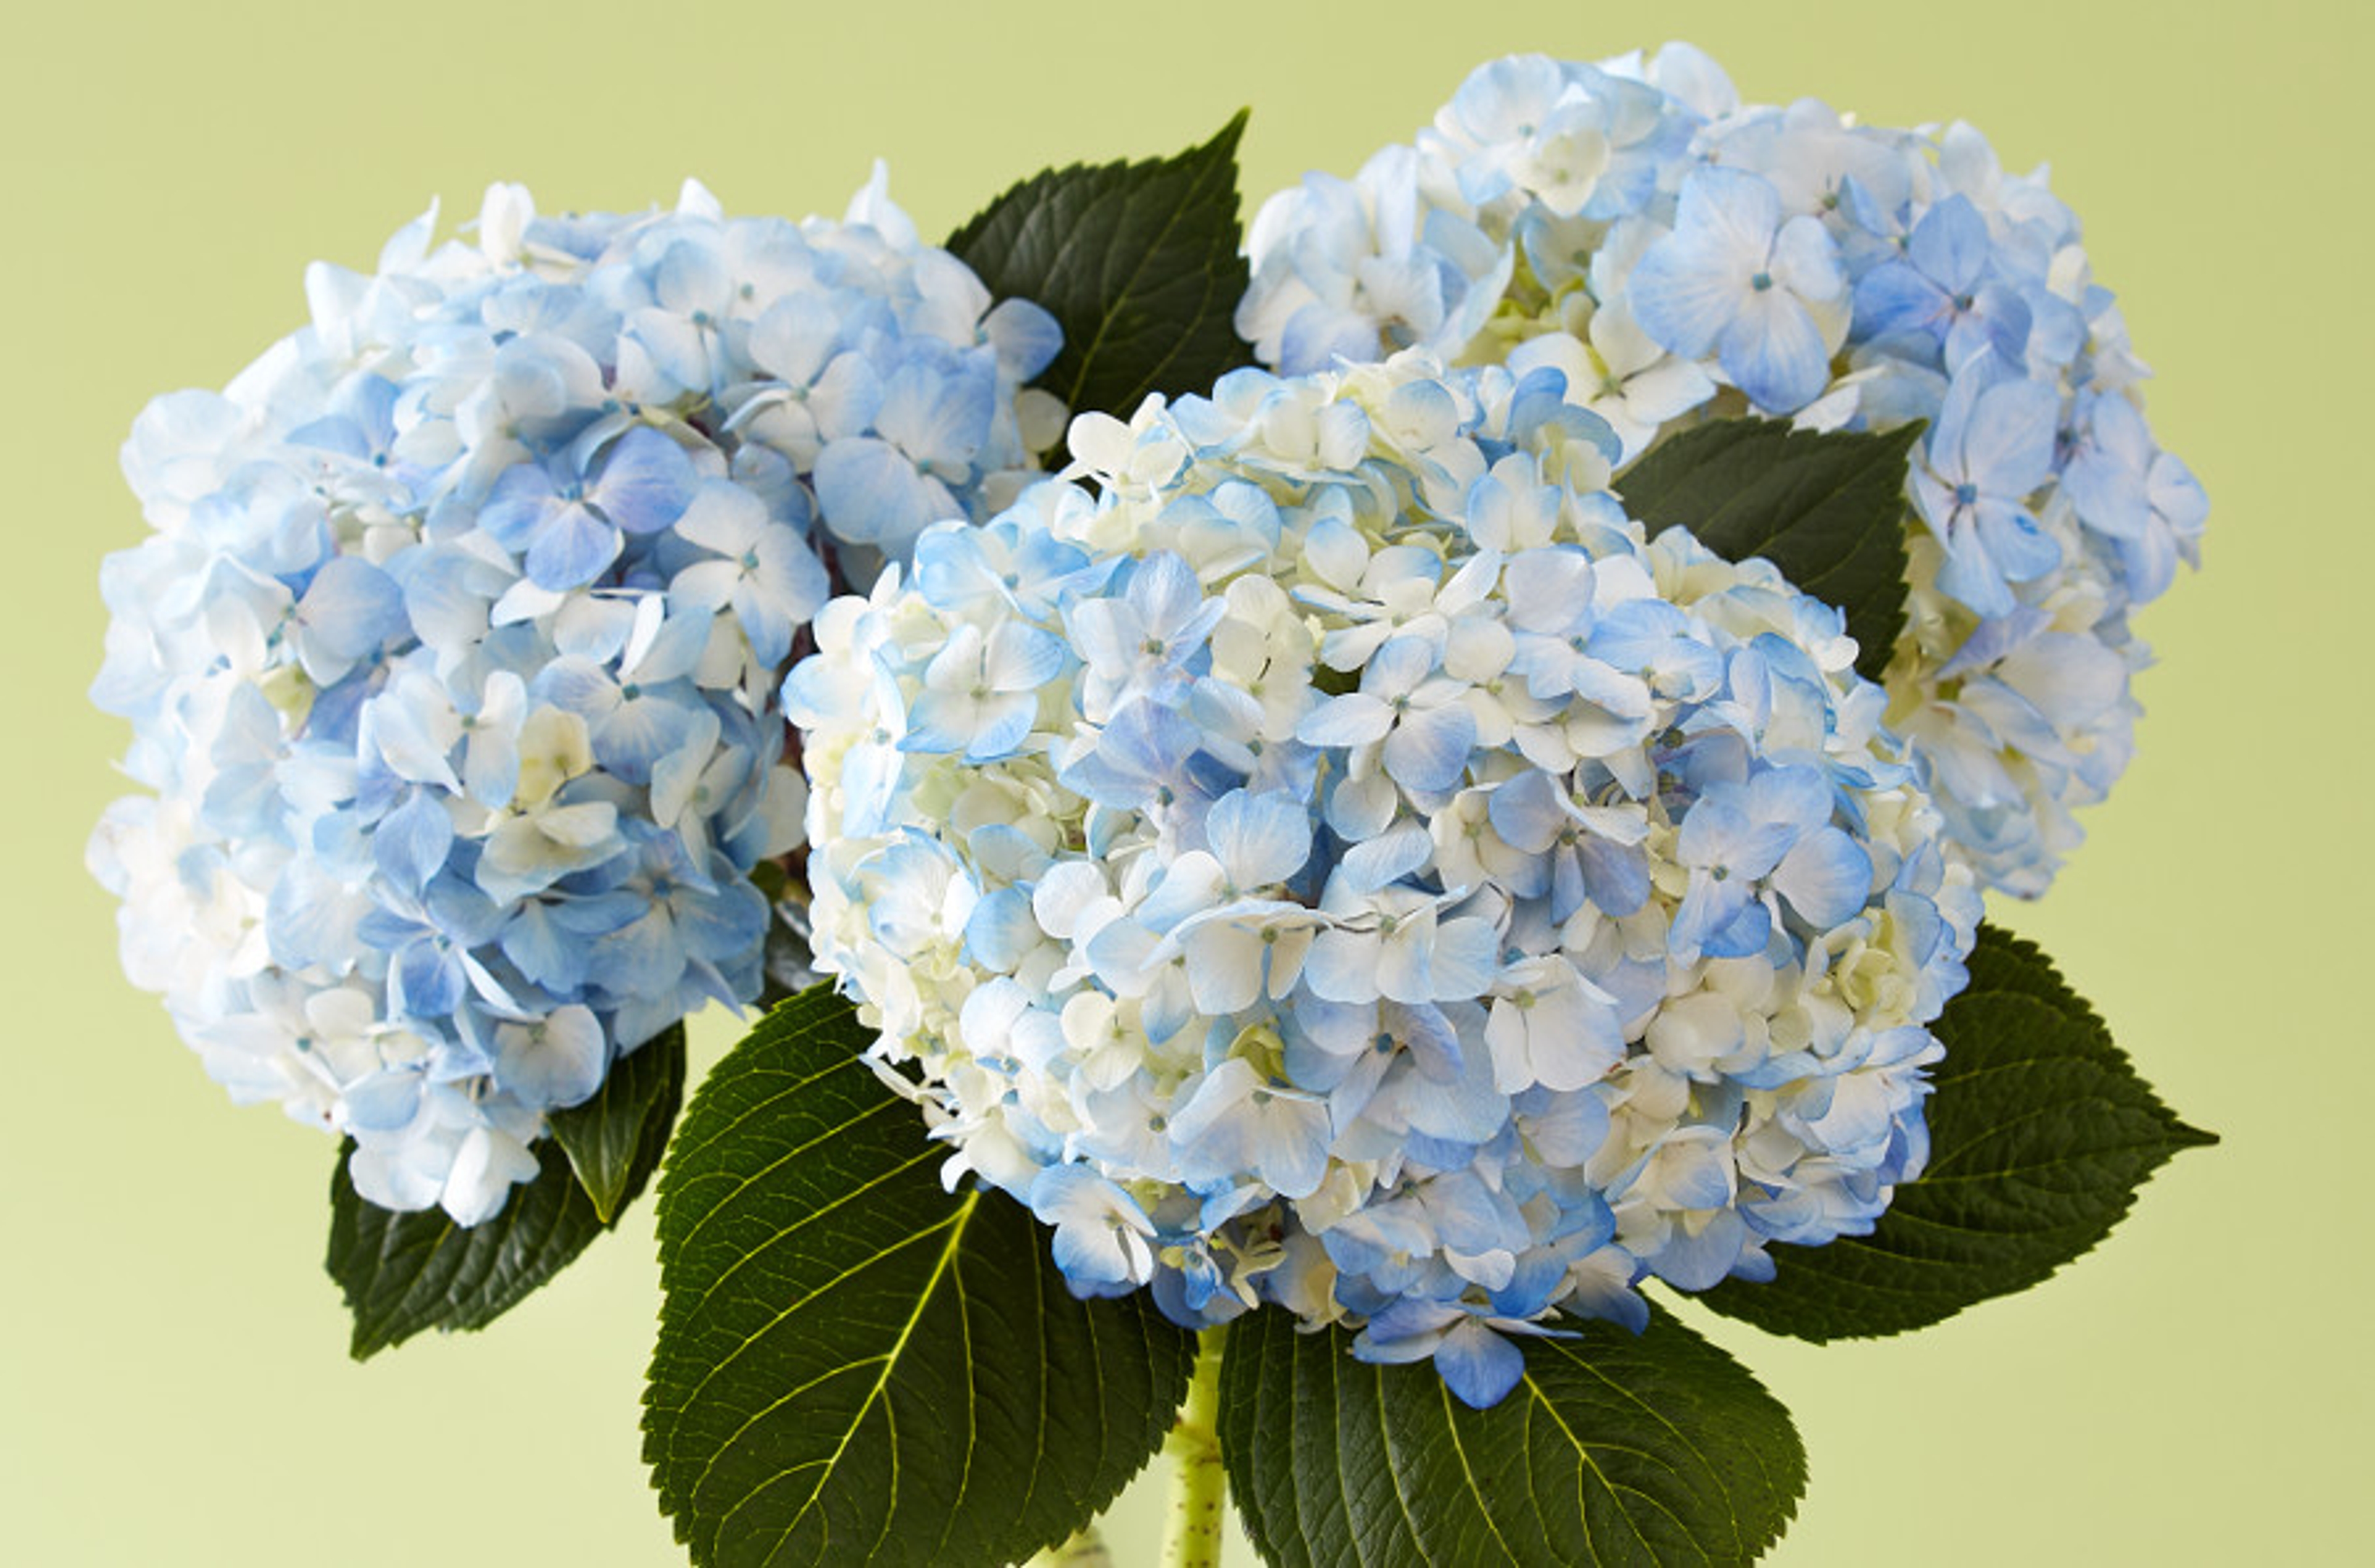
1944, 289
1138, 760
765, 571
1139, 644
1991, 447
571, 523
1421, 730
981, 694
1736, 277
969, 570
1102, 1236
1370, 271
2145, 501
1237, 1123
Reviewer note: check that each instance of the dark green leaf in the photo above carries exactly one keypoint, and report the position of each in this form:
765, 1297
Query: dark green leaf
855, 1367
605, 1137
1613, 1449
2040, 1134
1827, 509
402, 1273
1138, 262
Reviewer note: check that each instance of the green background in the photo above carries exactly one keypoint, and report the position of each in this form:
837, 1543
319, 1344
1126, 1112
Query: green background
176, 1389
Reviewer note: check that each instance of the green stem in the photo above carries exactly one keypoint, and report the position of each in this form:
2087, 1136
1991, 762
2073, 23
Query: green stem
1085, 1549
1197, 1483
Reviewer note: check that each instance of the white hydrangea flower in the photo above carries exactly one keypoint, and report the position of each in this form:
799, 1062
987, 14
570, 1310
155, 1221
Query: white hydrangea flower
1411, 896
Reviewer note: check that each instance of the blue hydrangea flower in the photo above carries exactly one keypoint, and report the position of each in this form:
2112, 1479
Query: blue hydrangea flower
453, 657
1306, 932
1676, 256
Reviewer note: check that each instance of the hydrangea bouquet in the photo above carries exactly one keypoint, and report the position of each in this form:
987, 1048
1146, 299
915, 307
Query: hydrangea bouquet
1453, 812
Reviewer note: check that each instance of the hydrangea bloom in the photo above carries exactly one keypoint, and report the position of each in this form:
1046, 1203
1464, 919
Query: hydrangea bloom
1679, 255
452, 656
1343, 865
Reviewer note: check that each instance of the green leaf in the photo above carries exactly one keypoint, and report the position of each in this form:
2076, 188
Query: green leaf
1829, 509
1138, 262
1612, 1449
857, 1367
2040, 1134
402, 1273
605, 1137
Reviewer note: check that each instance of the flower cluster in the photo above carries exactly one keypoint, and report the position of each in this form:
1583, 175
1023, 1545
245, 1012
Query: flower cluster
1343, 864
1679, 255
452, 656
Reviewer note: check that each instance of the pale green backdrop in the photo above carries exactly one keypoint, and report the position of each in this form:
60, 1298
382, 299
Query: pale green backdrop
176, 1388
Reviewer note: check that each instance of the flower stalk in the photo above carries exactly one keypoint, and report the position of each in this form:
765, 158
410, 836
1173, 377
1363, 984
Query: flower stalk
1192, 1538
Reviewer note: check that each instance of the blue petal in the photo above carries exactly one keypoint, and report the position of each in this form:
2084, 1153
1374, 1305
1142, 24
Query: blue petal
1002, 929
519, 504
1698, 1263
425, 982
572, 550
868, 492
2018, 547
1950, 244
940, 416
2008, 447
1827, 878
639, 732
1895, 297
1429, 749
1355, 718
1165, 592
385, 1102
1021, 657
1615, 877
718, 927
1478, 1364
1258, 839
410, 843
1388, 858
1775, 354
646, 483
1744, 935
543, 951
1027, 338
